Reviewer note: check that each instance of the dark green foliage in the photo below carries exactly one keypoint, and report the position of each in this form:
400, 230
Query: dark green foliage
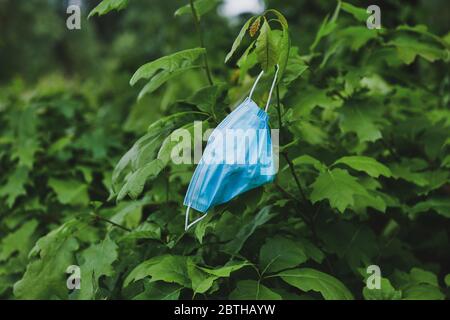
364, 171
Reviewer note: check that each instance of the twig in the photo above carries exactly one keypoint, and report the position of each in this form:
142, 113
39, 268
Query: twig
202, 43
97, 217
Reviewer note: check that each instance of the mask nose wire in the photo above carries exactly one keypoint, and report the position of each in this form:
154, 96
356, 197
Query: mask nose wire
187, 225
271, 88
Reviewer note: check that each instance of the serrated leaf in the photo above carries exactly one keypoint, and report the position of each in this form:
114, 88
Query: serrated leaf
328, 26
26, 137
253, 290
305, 101
18, 241
51, 256
70, 191
338, 187
15, 185
357, 36
386, 292
307, 279
108, 5
366, 164
98, 260
408, 47
135, 181
361, 121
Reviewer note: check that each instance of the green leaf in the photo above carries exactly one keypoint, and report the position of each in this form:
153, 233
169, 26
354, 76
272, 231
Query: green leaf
357, 36
361, 121
98, 260
135, 181
203, 278
201, 7
253, 290
167, 268
15, 186
447, 280
356, 244
108, 5
165, 68
70, 191
407, 171
408, 47
51, 256
26, 137
359, 13
239, 38
307, 100
386, 292
266, 48
440, 205
366, 164
284, 43
159, 291
328, 26
227, 269
18, 241
247, 230
145, 151
339, 187
295, 67
423, 292
167, 64
420, 284
280, 253
205, 99
161, 78
308, 160
307, 279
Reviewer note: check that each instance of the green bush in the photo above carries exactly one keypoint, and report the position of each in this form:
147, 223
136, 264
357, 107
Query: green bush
364, 174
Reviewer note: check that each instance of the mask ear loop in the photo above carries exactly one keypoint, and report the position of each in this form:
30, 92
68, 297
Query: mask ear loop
254, 84
271, 88
187, 225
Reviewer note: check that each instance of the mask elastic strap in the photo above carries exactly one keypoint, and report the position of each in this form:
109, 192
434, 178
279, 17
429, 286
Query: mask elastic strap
254, 85
187, 225
271, 88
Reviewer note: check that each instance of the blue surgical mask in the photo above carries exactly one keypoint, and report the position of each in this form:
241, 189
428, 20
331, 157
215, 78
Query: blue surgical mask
238, 157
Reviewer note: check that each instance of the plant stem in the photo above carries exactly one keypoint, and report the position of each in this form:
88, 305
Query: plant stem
202, 43
284, 153
97, 217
